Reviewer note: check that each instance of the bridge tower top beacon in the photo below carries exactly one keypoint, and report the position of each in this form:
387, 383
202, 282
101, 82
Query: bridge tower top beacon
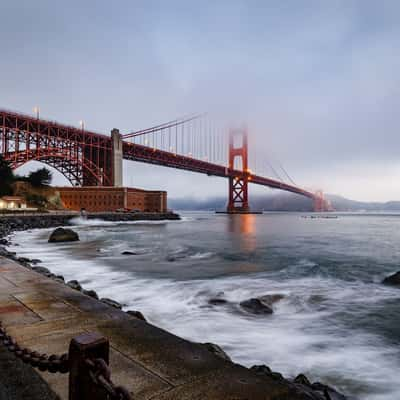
238, 161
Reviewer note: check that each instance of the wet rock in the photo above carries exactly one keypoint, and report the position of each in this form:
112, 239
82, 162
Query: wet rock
392, 279
329, 392
111, 303
215, 349
302, 380
270, 299
41, 270
63, 235
74, 284
256, 306
264, 370
129, 253
36, 261
216, 301
4, 242
136, 314
24, 260
91, 293
60, 277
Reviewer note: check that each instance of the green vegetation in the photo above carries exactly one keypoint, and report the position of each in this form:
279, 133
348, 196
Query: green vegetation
34, 187
6, 177
39, 178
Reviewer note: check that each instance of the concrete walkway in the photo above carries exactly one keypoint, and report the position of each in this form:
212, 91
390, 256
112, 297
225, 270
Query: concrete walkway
44, 315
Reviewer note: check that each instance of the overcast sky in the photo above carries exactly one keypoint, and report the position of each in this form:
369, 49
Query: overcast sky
317, 82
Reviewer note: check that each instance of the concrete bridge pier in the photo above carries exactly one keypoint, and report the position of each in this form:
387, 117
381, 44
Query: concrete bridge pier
116, 139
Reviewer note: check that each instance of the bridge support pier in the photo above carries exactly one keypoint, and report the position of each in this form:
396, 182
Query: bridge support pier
116, 140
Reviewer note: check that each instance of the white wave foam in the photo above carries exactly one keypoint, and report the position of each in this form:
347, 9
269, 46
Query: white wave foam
302, 336
200, 256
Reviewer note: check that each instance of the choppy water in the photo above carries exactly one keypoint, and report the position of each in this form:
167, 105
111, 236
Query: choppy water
337, 323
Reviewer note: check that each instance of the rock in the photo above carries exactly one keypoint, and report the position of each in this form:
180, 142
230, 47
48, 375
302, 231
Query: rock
4, 242
111, 303
392, 279
36, 261
256, 306
63, 235
24, 259
41, 270
215, 349
261, 369
91, 293
270, 299
266, 371
74, 284
216, 301
136, 314
329, 392
129, 253
302, 380
60, 277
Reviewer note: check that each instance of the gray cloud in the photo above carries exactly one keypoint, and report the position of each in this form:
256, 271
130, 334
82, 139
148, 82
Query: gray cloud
316, 82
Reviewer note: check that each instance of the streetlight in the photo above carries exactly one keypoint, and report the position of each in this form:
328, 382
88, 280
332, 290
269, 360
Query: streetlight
36, 110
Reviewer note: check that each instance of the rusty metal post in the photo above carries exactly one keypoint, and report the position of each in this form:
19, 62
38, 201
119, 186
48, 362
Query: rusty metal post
83, 347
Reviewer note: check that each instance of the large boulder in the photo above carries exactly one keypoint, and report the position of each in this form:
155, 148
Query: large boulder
63, 235
392, 279
256, 306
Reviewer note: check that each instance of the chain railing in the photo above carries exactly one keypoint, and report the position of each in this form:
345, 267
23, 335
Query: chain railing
86, 362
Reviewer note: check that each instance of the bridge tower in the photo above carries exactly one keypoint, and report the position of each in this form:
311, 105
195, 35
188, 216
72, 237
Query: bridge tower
116, 149
238, 185
320, 203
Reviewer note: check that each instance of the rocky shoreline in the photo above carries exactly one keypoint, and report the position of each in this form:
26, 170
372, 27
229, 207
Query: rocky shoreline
8, 224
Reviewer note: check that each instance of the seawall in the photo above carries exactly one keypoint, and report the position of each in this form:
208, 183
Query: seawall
24, 221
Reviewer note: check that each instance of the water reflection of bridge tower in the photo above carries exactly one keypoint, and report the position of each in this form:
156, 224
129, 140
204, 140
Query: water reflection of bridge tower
242, 226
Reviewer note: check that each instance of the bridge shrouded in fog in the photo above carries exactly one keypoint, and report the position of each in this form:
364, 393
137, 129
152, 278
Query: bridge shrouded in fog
193, 144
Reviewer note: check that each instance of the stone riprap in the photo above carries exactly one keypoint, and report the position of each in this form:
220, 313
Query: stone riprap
15, 222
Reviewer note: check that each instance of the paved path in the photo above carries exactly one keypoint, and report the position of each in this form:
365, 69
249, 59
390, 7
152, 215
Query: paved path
44, 315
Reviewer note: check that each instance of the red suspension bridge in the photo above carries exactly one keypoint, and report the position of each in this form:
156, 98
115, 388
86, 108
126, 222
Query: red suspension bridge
193, 144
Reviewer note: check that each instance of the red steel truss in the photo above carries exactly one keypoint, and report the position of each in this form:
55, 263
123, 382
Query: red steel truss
85, 158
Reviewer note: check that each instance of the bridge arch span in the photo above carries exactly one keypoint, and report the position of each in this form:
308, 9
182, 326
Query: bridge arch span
77, 170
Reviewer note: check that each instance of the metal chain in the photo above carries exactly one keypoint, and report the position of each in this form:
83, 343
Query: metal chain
101, 375
52, 363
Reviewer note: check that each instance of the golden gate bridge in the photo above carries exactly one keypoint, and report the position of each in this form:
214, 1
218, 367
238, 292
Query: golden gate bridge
193, 143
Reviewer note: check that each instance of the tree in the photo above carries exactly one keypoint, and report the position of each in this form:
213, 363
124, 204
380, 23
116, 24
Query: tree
6, 177
41, 177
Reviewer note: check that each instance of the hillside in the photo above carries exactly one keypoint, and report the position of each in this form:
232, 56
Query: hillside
284, 202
